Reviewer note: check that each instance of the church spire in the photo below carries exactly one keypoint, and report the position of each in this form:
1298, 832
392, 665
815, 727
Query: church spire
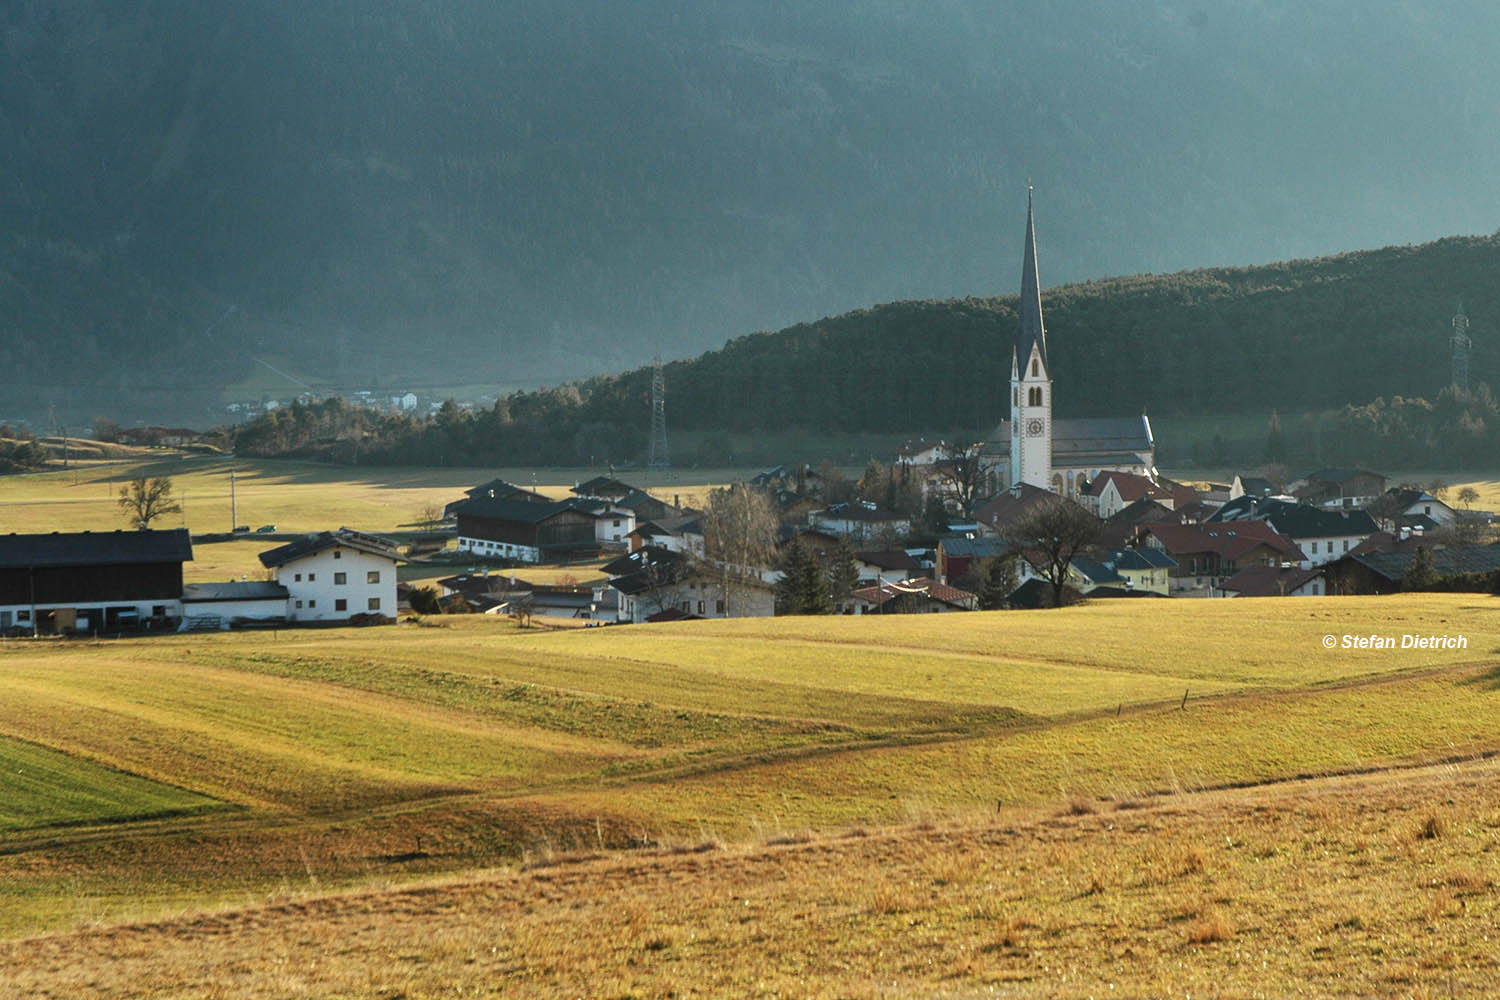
1030, 329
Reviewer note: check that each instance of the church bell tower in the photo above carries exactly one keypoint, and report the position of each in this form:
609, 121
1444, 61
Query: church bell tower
1030, 380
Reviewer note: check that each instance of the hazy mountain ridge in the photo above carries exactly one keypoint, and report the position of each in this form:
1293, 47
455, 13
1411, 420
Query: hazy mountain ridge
541, 191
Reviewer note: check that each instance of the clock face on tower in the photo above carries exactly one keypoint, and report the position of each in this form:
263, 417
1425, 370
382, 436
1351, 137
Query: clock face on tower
1034, 427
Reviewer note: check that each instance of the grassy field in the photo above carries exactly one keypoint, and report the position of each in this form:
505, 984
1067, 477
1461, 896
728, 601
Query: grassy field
295, 497
149, 777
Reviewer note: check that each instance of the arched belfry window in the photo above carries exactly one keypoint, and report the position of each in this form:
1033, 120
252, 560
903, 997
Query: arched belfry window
1034, 396
1035, 370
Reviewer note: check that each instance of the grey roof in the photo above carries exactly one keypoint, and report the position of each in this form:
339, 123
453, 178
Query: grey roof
344, 537
983, 547
234, 590
1096, 571
887, 559
1101, 437
1146, 558
526, 512
90, 548
1446, 562
1029, 328
1297, 520
649, 557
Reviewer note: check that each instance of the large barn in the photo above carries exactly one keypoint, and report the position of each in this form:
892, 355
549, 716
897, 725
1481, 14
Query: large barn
92, 581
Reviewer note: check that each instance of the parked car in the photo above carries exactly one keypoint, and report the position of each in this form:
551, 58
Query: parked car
265, 529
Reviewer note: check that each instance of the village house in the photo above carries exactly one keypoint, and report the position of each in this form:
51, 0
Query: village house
1208, 554
528, 532
1341, 487
336, 575
861, 521
885, 566
955, 556
1112, 491
1384, 572
996, 515
1275, 581
680, 533
1408, 507
916, 596
1323, 534
652, 581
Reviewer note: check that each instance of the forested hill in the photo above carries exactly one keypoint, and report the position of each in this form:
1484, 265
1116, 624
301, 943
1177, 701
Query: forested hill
1331, 334
1298, 336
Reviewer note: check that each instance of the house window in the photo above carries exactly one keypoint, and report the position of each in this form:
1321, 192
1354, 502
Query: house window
373, 576
374, 604
1346, 545
1315, 548
340, 579
338, 553
339, 604
719, 606
617, 522
311, 577
687, 607
299, 605
312, 604
23, 616
297, 577
157, 610
700, 607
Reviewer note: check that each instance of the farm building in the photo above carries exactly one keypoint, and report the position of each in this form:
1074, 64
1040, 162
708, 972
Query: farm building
92, 581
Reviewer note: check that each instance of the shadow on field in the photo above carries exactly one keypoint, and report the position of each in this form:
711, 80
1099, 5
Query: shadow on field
1489, 679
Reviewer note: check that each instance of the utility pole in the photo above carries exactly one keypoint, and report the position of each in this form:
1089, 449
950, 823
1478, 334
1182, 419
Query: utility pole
234, 512
657, 455
1459, 345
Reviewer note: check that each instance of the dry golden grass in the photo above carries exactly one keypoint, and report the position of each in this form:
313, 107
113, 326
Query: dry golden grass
1312, 888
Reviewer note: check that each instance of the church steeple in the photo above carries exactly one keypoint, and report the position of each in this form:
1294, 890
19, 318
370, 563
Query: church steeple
1030, 329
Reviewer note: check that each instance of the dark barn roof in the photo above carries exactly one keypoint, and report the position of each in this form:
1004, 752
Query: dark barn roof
315, 543
89, 548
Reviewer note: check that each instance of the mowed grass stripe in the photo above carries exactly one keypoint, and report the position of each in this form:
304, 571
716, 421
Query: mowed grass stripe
512, 689
1231, 741
949, 684
40, 787
202, 756
381, 737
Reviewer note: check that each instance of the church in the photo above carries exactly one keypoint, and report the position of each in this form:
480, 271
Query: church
1062, 456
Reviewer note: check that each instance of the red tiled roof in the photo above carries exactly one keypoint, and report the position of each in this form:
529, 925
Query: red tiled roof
1130, 486
1229, 540
918, 585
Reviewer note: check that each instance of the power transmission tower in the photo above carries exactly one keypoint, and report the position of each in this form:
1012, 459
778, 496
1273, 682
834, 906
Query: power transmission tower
1459, 344
657, 456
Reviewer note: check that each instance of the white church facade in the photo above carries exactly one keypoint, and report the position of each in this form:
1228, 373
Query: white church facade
1031, 447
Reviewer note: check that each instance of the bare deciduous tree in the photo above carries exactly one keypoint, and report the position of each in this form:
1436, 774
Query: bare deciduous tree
1049, 536
144, 499
959, 470
739, 532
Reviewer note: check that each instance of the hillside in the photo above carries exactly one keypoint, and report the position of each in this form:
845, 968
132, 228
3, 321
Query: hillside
1302, 337
373, 193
